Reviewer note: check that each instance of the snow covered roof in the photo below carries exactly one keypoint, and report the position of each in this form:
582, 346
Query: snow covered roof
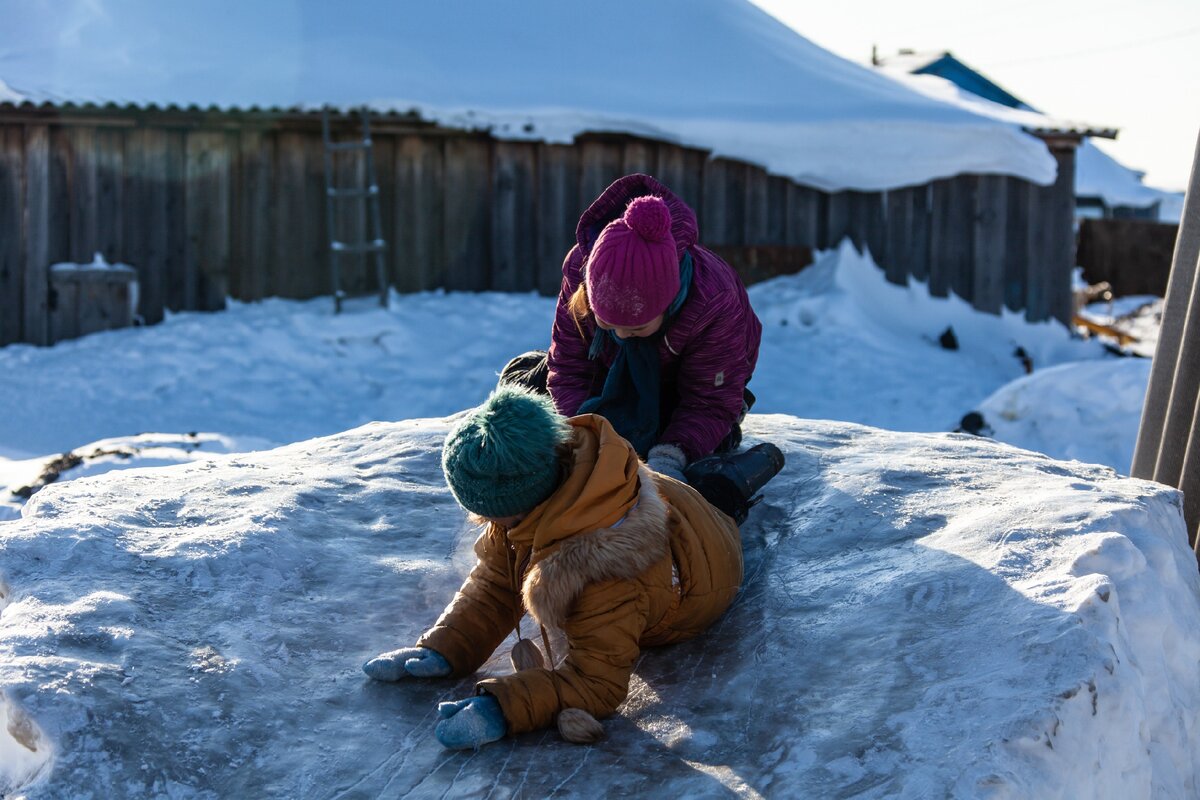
717, 74
939, 88
1097, 174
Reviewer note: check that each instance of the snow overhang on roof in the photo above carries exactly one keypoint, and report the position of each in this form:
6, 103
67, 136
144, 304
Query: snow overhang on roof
721, 75
1034, 122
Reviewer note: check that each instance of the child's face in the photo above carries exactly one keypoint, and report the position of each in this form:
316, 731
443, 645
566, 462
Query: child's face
649, 329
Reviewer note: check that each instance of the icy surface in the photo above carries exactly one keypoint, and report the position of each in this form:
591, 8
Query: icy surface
717, 74
923, 615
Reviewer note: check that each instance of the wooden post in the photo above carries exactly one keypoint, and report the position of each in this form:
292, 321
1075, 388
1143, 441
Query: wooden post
1062, 238
1149, 452
35, 233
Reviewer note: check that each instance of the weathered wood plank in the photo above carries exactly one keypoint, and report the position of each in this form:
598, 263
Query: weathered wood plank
251, 226
110, 179
59, 245
35, 232
601, 162
691, 186
514, 217
715, 214
991, 231
869, 229
804, 227
385, 175
755, 220
917, 250
670, 166
639, 156
908, 231
290, 184
558, 212
1016, 249
145, 218
777, 210
468, 213
175, 269
11, 211
951, 246
420, 213
313, 277
207, 219
838, 221
1038, 254
83, 193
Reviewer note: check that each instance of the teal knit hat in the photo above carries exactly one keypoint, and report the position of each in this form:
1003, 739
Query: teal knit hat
501, 459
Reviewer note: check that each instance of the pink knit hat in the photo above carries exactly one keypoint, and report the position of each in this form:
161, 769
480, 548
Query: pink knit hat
633, 271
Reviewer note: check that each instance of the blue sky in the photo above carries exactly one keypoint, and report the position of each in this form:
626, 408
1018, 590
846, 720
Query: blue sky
1110, 62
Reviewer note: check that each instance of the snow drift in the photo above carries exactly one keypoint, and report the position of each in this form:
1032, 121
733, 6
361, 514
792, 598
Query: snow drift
923, 615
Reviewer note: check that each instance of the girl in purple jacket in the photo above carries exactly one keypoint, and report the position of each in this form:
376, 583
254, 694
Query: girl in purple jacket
652, 331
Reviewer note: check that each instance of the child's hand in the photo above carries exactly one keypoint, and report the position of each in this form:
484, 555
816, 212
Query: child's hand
470, 723
667, 459
419, 662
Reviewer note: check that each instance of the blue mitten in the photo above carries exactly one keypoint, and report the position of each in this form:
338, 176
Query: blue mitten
667, 459
470, 723
419, 662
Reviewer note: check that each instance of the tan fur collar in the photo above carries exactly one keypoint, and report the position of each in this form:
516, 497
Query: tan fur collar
624, 551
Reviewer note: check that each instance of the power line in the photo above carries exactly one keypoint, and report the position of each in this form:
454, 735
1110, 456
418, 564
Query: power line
1096, 50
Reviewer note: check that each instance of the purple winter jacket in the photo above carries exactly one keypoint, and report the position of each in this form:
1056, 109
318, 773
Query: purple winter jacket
709, 350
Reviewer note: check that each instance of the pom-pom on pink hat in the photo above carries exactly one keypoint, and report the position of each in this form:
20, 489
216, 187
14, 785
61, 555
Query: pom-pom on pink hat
633, 270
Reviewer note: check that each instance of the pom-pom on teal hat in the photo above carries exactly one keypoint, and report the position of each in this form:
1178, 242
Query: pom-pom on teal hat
501, 460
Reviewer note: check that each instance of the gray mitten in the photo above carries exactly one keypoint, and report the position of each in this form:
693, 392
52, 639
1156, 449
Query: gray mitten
419, 662
667, 459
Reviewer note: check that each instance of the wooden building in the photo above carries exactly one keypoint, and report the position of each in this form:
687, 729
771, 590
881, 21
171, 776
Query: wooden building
208, 204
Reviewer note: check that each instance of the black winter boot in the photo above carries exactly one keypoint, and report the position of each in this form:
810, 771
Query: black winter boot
729, 482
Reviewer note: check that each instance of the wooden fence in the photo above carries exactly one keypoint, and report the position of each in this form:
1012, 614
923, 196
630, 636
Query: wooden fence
1134, 256
208, 205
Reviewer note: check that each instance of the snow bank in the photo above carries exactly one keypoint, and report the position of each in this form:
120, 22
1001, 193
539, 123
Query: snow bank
1086, 411
924, 615
840, 342
716, 74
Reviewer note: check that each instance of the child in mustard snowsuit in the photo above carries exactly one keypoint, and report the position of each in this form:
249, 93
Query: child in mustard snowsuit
586, 539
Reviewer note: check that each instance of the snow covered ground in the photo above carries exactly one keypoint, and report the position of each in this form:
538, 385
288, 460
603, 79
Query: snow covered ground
839, 342
924, 616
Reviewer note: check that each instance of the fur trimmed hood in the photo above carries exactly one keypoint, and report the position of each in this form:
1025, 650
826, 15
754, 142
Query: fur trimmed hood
621, 551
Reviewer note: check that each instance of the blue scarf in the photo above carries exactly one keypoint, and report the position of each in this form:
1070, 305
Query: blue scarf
630, 399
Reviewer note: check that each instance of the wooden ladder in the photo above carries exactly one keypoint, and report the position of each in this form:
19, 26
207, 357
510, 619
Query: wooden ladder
367, 193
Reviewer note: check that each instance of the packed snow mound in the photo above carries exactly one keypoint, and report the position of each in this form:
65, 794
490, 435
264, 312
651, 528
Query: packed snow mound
923, 616
1085, 411
717, 74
